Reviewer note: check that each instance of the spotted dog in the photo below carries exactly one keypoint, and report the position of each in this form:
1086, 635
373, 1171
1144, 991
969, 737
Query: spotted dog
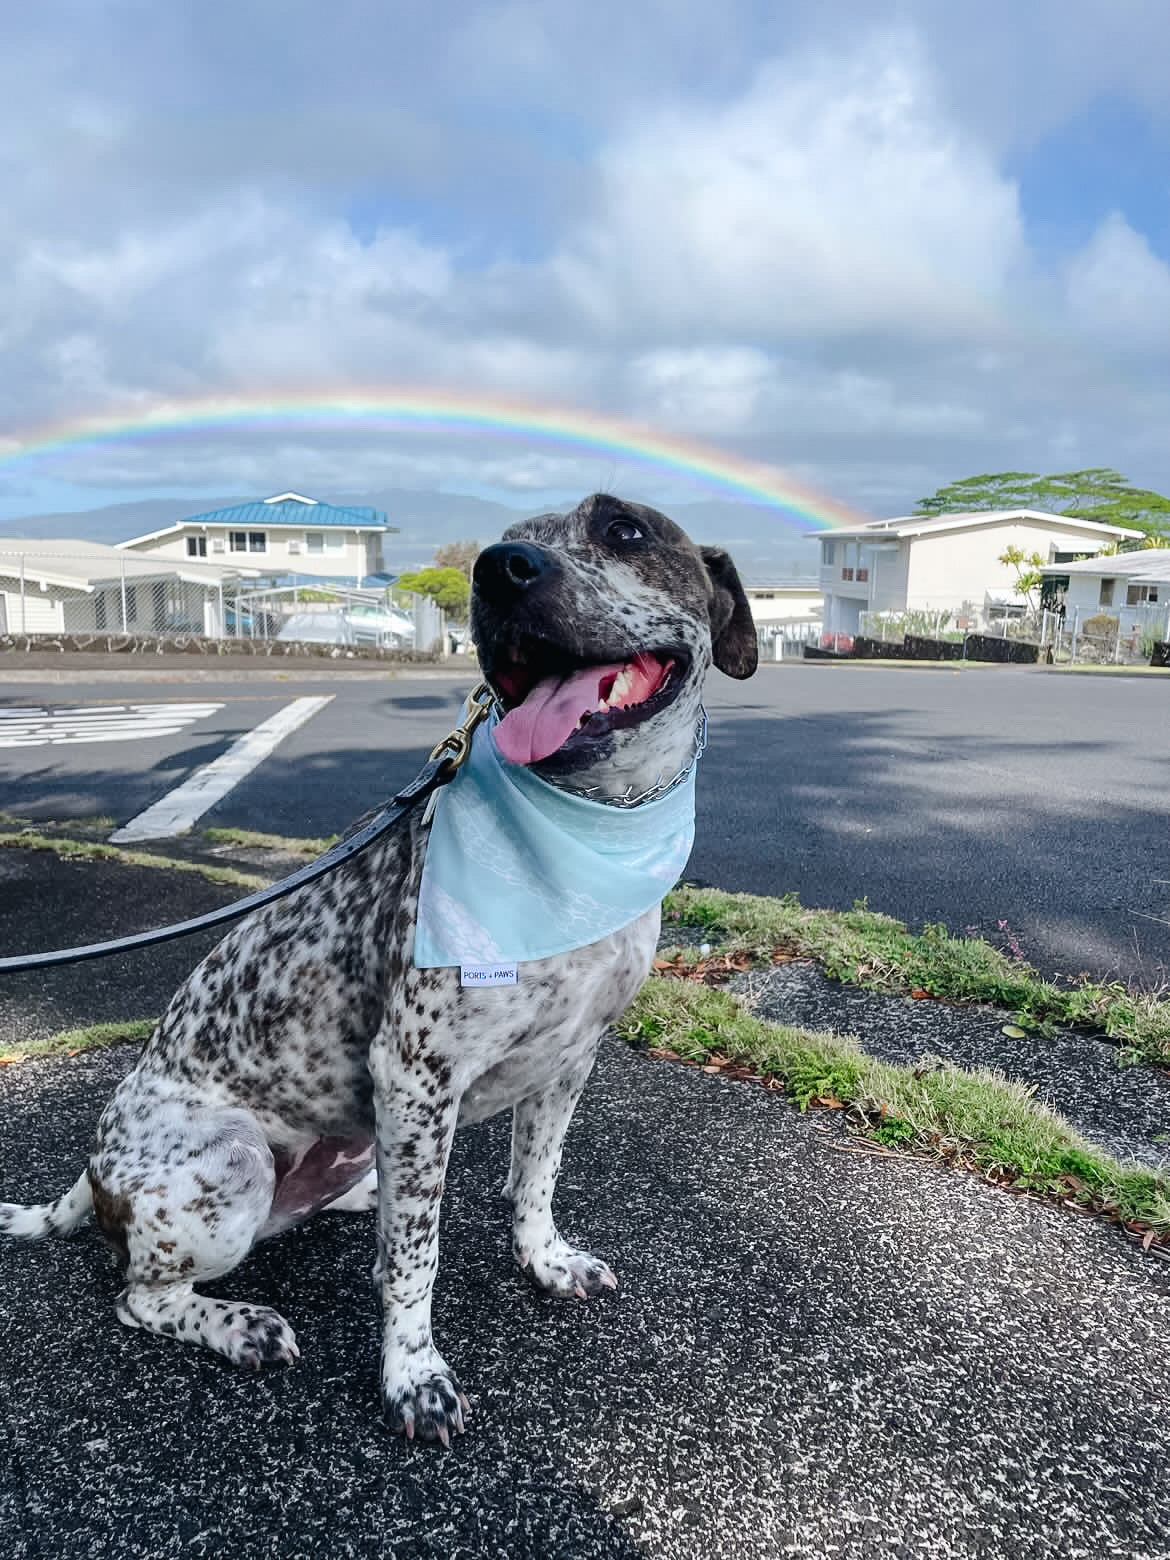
307, 1063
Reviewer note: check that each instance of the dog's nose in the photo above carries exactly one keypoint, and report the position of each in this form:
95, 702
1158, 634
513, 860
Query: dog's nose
509, 568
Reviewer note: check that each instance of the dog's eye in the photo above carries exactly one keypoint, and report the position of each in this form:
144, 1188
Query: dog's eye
623, 531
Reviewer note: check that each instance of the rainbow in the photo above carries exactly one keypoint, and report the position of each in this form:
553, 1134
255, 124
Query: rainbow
435, 411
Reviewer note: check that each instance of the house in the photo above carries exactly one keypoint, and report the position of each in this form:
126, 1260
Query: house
1132, 587
64, 586
945, 564
799, 601
786, 616
284, 535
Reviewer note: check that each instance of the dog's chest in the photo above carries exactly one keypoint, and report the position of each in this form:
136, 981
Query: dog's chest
503, 1043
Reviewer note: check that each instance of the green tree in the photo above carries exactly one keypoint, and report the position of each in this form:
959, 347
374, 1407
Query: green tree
448, 588
997, 490
1097, 493
457, 555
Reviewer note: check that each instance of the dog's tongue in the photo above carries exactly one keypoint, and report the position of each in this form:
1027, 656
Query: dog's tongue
554, 708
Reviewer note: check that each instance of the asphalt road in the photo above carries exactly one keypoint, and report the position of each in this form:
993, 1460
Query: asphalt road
813, 1352
973, 797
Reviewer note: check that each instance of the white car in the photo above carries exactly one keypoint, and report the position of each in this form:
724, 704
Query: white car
380, 626
318, 628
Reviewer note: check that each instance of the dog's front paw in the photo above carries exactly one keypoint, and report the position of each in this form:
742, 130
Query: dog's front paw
423, 1399
560, 1269
255, 1335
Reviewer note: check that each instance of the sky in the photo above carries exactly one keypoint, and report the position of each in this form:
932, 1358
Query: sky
877, 247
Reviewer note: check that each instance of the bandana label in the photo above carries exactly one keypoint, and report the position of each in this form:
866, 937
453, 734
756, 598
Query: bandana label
487, 974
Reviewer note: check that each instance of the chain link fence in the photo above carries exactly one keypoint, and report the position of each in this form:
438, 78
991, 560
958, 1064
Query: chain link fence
1122, 638
81, 592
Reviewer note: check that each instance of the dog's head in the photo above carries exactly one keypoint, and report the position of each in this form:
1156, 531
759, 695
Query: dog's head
596, 629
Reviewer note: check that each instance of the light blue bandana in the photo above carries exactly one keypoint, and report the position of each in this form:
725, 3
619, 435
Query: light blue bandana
517, 869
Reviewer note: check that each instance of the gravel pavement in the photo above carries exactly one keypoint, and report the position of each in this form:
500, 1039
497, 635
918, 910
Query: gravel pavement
813, 1352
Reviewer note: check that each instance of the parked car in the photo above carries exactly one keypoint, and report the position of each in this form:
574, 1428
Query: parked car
318, 628
380, 626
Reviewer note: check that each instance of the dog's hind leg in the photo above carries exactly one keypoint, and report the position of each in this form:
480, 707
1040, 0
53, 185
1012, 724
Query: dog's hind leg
539, 1124
362, 1198
182, 1193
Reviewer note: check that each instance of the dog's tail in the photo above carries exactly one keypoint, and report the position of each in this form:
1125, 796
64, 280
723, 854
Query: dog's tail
56, 1218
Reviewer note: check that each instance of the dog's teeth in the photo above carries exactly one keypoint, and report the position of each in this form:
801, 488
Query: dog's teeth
618, 689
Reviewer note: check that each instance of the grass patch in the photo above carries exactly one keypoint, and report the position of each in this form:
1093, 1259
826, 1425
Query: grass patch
97, 850
977, 1119
69, 1042
868, 949
96, 827
253, 839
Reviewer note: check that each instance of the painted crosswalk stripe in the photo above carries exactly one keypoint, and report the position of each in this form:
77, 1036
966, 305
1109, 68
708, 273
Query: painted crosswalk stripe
41, 727
177, 812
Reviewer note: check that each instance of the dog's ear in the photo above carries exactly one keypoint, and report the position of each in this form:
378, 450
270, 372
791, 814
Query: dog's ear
734, 646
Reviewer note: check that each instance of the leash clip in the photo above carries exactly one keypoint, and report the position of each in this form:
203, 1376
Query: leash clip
457, 744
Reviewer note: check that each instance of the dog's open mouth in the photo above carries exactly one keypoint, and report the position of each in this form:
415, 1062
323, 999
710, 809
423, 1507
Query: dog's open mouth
544, 713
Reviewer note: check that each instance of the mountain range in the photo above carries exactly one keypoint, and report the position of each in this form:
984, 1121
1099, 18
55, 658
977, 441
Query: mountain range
768, 546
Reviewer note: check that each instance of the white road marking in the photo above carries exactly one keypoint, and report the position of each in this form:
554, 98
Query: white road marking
98, 723
176, 812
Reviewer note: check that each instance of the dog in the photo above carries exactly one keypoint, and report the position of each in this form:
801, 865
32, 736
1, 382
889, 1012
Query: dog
308, 1063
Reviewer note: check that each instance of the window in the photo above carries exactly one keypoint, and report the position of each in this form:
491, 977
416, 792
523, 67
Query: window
863, 575
324, 542
1137, 595
828, 553
846, 574
197, 547
1106, 597
248, 541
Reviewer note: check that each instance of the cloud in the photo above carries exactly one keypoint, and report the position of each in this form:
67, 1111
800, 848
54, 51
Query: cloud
832, 196
1118, 290
775, 227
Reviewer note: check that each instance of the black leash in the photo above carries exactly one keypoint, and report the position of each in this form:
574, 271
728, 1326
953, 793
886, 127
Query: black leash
440, 768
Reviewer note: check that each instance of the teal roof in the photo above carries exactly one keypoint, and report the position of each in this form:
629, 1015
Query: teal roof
290, 512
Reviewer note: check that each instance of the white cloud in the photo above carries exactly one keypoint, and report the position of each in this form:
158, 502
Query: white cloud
1119, 290
717, 390
768, 226
832, 196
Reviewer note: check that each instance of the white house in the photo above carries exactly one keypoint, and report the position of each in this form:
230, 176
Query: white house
944, 563
786, 616
285, 534
52, 585
1132, 587
798, 602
